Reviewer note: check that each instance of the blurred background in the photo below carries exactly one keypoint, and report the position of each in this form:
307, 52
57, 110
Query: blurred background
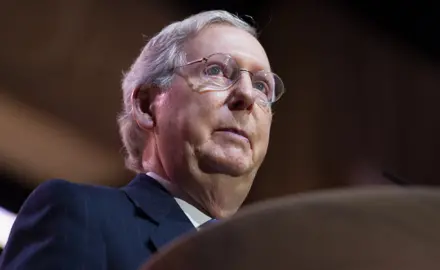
362, 80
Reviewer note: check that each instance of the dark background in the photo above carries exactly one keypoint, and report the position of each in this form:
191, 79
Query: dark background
362, 97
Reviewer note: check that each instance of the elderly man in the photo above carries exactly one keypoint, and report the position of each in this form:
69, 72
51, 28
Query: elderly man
195, 124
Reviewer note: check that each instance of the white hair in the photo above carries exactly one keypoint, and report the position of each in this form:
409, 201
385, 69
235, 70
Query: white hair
153, 68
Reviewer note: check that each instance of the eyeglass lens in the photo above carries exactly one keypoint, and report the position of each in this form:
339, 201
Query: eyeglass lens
221, 71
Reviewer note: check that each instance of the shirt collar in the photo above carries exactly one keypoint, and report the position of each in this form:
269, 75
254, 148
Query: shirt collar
196, 216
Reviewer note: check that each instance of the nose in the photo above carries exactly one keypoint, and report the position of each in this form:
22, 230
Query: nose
242, 95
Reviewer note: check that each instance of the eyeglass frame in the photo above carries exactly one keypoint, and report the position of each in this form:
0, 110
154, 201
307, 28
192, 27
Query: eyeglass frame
206, 58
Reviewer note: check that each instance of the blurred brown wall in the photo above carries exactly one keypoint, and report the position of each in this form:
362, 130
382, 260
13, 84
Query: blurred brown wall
358, 102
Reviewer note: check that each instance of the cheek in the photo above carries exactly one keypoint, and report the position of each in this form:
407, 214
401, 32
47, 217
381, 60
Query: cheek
196, 118
263, 132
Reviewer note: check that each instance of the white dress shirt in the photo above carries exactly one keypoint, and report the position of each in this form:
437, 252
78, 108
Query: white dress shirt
196, 216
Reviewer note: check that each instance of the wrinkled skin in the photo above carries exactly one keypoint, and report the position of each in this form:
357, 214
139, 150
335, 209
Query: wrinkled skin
214, 168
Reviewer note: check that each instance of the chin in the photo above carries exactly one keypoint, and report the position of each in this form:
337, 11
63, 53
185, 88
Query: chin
232, 161
232, 167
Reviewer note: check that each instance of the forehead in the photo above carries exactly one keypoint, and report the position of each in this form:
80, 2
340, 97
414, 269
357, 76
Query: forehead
245, 48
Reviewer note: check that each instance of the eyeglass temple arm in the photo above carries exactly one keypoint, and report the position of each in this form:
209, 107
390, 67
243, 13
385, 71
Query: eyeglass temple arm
193, 62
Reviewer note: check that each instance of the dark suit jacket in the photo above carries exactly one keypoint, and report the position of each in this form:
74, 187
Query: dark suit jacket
71, 226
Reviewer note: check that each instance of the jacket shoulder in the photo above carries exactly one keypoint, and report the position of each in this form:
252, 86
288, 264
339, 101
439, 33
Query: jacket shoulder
56, 228
53, 192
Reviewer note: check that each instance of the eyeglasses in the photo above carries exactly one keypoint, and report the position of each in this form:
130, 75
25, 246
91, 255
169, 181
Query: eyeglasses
220, 71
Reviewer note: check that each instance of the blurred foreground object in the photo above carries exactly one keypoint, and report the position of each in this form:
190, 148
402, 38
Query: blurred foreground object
362, 229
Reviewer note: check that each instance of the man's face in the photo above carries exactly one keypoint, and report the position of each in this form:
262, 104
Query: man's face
215, 133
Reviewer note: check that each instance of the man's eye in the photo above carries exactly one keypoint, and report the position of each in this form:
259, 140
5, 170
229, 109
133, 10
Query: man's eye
261, 86
214, 71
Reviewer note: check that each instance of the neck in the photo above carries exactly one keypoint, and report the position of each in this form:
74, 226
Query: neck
217, 195
220, 194
174, 190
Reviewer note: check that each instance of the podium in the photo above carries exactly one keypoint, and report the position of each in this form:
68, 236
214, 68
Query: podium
378, 228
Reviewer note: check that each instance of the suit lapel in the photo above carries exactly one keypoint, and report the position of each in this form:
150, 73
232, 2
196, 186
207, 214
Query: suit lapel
170, 229
154, 201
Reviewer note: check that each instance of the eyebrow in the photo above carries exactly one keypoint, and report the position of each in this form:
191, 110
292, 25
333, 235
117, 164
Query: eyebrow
255, 67
251, 65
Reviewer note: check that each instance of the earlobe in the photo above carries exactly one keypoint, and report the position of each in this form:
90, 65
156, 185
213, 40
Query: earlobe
140, 109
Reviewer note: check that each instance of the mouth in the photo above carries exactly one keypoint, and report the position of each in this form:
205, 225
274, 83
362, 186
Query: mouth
235, 131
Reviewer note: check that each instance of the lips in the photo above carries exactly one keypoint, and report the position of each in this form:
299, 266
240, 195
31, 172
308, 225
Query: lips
236, 131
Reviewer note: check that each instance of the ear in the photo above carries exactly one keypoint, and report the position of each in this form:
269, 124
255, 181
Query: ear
141, 100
